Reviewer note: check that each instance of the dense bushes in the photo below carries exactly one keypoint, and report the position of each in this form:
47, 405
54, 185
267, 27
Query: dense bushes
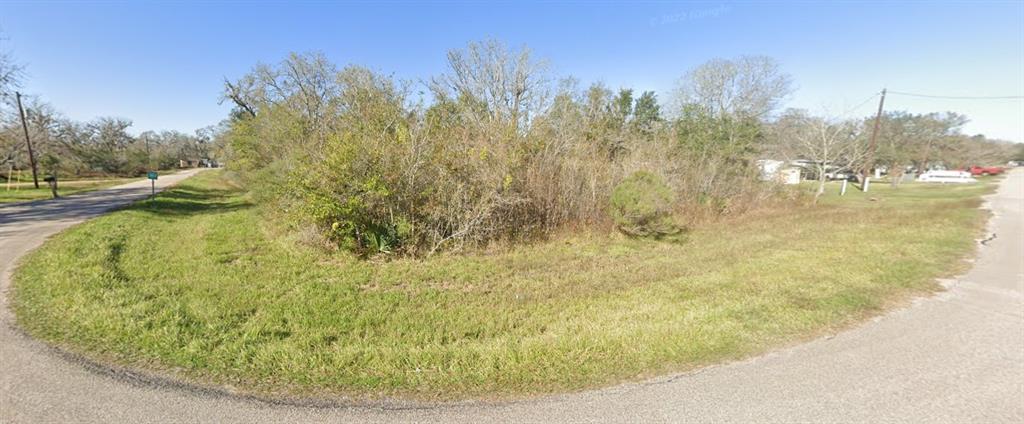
642, 206
496, 154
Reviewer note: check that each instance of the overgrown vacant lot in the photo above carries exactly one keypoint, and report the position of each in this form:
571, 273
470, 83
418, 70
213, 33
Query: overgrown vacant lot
191, 284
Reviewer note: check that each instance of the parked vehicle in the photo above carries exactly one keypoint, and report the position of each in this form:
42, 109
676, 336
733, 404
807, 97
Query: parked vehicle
841, 175
944, 177
985, 170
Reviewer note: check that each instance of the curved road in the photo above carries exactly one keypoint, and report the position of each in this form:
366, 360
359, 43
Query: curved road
954, 357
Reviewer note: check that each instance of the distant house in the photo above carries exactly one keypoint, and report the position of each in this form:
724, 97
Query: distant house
779, 171
789, 176
198, 163
769, 168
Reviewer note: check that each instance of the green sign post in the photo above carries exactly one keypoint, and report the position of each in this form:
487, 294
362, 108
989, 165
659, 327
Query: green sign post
152, 182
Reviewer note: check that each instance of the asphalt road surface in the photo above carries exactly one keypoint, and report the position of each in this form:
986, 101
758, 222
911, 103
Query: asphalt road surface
957, 356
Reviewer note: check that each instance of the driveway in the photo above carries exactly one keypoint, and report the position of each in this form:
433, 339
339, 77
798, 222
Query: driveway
957, 356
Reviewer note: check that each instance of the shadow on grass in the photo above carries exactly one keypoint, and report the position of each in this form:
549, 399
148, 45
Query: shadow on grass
191, 200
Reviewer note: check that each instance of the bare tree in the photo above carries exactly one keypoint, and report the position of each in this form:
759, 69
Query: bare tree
41, 120
10, 73
511, 85
822, 141
746, 87
239, 94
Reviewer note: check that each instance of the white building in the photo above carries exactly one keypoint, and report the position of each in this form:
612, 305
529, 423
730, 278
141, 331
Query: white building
778, 171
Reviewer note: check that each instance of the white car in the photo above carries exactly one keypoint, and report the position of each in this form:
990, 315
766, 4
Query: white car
955, 177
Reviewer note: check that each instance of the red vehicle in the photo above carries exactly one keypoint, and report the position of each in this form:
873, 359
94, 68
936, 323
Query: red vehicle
985, 170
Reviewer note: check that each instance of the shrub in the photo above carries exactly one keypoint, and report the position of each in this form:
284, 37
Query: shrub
641, 205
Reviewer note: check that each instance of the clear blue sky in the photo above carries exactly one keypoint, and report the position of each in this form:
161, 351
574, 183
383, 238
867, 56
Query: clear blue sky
161, 65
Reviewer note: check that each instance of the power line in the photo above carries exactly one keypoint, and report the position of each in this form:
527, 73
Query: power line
930, 96
847, 111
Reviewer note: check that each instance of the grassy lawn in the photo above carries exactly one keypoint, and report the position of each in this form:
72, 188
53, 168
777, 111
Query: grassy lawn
26, 192
191, 285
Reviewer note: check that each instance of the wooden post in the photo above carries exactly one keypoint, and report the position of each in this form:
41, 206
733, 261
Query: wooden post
52, 181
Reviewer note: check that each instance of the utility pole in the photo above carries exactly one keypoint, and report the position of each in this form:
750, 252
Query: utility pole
873, 144
149, 154
31, 155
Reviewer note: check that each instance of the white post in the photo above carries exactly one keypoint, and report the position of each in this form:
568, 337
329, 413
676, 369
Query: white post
842, 190
867, 183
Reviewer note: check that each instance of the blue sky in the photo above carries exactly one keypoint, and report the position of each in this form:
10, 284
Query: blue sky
162, 64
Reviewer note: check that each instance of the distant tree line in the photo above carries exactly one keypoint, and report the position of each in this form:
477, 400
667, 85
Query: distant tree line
101, 147
95, 148
919, 142
906, 143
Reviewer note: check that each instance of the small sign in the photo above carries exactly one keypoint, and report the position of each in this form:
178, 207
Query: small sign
151, 175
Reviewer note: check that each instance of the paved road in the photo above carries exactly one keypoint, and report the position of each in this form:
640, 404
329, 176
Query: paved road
71, 183
954, 357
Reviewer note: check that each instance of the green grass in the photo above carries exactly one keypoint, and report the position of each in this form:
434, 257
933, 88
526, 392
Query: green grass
27, 192
191, 284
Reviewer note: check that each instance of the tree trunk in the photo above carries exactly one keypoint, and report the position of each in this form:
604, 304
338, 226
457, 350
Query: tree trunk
821, 184
896, 173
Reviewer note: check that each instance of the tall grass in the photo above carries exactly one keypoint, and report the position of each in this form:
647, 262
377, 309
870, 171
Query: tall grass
191, 284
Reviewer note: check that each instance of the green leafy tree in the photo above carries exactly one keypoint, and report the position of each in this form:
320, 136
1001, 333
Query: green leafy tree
623, 106
646, 113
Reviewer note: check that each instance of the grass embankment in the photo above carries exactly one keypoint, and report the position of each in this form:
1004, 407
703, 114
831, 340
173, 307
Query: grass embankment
23, 192
190, 283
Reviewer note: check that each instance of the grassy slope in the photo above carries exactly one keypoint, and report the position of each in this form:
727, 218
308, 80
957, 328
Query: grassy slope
24, 194
190, 283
